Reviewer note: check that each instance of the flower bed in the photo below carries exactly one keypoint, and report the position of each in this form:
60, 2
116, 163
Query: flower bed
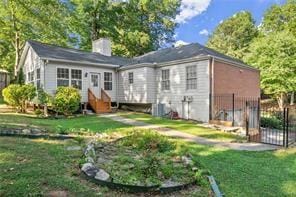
142, 161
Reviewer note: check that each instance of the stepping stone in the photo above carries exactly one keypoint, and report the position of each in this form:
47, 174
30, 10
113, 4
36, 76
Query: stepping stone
73, 148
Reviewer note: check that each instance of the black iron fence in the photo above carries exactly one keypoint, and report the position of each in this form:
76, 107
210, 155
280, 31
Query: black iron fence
264, 125
233, 108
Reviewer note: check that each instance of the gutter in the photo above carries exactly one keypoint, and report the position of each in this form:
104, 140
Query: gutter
81, 62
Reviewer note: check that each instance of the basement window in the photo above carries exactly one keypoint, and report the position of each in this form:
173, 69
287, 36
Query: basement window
165, 79
107, 81
191, 78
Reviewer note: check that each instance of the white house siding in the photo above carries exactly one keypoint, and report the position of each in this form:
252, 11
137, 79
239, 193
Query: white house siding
31, 63
199, 108
51, 78
142, 90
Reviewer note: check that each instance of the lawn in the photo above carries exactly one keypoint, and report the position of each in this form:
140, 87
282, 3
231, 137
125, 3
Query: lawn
39, 167
91, 123
182, 125
29, 166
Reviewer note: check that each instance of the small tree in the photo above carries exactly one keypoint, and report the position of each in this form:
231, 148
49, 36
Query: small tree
67, 100
17, 95
44, 99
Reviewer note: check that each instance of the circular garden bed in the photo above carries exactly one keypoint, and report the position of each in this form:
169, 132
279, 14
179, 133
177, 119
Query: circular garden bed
139, 162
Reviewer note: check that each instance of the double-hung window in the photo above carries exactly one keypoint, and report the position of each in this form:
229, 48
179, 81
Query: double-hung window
63, 78
30, 78
165, 79
107, 81
38, 84
191, 78
76, 78
131, 77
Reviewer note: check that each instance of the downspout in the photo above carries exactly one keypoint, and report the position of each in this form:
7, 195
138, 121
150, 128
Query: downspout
117, 87
211, 96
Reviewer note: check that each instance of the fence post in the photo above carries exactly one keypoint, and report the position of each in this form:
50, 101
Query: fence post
284, 128
247, 120
233, 109
259, 116
287, 127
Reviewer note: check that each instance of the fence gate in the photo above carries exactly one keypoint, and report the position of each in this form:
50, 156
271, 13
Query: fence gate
276, 127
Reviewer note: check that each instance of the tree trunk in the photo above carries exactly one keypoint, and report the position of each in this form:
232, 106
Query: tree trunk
281, 101
17, 52
45, 110
292, 98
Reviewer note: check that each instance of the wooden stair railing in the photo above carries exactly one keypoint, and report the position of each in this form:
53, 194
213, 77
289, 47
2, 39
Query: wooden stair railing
102, 105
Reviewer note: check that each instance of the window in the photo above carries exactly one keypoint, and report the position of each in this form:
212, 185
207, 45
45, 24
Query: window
165, 79
76, 78
191, 77
38, 84
30, 78
62, 77
107, 81
95, 80
131, 78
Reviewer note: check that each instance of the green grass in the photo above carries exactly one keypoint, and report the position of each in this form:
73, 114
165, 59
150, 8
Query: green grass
182, 125
37, 167
73, 124
243, 173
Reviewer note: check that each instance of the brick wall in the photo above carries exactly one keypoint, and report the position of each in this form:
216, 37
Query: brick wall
230, 79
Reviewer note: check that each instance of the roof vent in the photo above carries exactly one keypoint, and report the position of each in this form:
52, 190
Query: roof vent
102, 46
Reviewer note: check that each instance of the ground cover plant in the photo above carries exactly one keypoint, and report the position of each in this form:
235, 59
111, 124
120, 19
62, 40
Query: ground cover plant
145, 158
76, 125
190, 127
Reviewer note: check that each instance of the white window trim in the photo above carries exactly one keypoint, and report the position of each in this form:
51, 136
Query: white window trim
169, 79
190, 90
128, 75
112, 76
70, 77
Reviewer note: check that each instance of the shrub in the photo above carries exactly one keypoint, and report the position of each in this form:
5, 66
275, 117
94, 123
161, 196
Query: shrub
17, 95
271, 122
67, 100
148, 140
42, 97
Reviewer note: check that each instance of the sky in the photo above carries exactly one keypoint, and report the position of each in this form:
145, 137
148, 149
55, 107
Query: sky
198, 18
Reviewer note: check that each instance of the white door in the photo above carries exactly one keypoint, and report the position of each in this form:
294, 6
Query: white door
95, 85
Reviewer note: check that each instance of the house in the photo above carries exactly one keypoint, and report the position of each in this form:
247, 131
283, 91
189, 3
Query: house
179, 79
4, 79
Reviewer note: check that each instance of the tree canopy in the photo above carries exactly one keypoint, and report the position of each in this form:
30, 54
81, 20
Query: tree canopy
234, 35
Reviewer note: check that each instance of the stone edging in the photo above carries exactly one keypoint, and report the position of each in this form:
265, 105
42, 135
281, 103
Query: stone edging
31, 133
100, 177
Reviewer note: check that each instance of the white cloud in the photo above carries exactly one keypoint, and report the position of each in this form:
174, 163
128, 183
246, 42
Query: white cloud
191, 8
180, 43
204, 32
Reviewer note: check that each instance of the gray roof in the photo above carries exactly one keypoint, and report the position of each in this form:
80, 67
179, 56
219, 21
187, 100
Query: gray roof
181, 52
60, 53
160, 56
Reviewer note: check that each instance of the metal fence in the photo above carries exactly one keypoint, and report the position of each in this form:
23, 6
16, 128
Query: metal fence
233, 108
265, 125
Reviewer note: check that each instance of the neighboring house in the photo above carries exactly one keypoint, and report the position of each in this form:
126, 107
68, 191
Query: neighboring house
181, 78
4, 79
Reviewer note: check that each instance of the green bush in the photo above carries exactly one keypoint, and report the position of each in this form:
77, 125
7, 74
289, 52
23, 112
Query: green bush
17, 95
42, 98
148, 140
271, 122
66, 100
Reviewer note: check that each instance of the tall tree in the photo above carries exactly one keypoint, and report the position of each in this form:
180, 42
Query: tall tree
135, 26
275, 56
281, 18
234, 35
21, 20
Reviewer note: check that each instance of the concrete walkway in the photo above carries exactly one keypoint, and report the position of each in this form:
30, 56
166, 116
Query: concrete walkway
192, 138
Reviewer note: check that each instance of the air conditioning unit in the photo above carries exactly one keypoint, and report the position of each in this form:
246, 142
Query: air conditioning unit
158, 110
